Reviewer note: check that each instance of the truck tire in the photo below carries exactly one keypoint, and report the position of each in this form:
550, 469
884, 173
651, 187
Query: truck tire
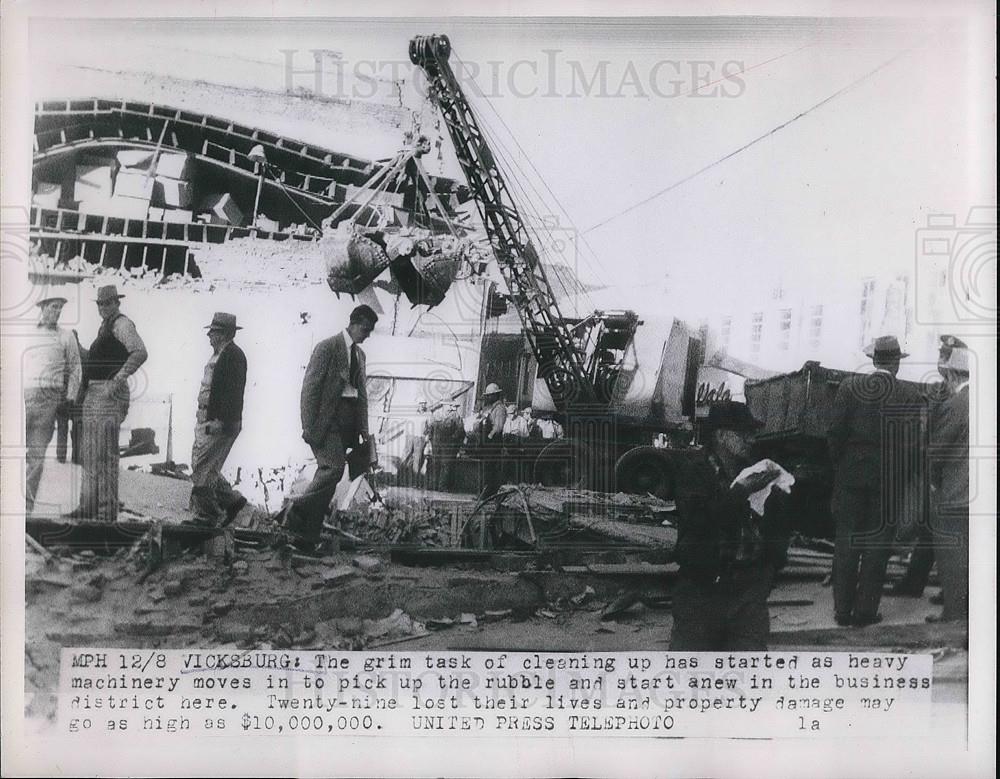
645, 469
563, 464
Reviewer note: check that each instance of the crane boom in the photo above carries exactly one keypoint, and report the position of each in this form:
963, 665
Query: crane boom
561, 360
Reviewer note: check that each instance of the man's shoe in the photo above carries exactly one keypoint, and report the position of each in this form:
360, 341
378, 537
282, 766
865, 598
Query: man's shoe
937, 599
843, 620
199, 520
233, 510
306, 549
872, 619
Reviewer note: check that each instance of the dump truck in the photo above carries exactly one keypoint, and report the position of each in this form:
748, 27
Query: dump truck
795, 411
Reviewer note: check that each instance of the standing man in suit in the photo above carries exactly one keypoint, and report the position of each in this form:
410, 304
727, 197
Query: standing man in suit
874, 432
949, 463
334, 407
918, 571
115, 354
51, 381
218, 424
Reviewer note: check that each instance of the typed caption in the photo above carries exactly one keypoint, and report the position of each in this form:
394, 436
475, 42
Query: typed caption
635, 694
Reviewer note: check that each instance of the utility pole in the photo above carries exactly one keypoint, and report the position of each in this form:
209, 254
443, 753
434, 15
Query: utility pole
259, 162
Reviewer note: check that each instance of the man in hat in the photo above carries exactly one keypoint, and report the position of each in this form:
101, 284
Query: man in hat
493, 418
218, 424
51, 377
115, 354
727, 553
949, 466
334, 409
874, 429
918, 570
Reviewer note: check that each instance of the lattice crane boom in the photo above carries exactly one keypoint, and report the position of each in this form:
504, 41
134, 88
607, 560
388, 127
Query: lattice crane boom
561, 359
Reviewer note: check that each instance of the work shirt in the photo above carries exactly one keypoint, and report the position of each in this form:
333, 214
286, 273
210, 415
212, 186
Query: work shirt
496, 418
53, 361
550, 429
205, 391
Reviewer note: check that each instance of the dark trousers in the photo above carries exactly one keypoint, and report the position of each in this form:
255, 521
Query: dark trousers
68, 427
861, 550
491, 467
918, 570
441, 467
951, 547
307, 512
730, 615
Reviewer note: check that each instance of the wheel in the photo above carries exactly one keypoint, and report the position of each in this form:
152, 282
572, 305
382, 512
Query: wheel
563, 464
645, 469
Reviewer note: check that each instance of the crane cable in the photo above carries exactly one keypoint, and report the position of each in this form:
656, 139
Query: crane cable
500, 155
544, 183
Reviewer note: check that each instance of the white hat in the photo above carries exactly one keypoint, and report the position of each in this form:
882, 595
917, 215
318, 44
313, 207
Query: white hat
492, 389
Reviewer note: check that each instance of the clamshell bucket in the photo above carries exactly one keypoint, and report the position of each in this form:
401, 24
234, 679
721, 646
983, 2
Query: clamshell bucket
426, 274
353, 262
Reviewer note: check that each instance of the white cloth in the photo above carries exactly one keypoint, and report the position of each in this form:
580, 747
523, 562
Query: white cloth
781, 479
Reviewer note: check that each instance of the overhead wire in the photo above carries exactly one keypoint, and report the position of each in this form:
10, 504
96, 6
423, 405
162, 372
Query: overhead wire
754, 142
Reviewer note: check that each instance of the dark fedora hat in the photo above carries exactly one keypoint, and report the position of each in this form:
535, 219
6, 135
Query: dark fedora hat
885, 347
223, 321
108, 292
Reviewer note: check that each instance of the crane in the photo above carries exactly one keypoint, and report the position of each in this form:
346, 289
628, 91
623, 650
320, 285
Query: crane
579, 359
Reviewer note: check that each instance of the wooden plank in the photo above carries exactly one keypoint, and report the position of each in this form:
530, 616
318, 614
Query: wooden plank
632, 569
642, 535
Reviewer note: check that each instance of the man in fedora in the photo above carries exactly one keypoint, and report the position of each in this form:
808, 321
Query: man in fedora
334, 409
873, 441
727, 552
218, 424
51, 377
949, 472
115, 354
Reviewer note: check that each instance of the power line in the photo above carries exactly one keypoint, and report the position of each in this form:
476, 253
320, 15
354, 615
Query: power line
755, 141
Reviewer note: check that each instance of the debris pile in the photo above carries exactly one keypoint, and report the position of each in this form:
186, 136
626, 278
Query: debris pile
532, 516
399, 524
